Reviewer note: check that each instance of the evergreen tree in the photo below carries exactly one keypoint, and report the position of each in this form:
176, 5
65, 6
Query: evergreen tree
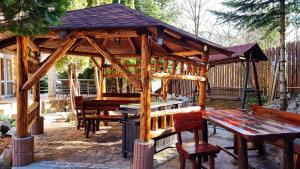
269, 14
22, 17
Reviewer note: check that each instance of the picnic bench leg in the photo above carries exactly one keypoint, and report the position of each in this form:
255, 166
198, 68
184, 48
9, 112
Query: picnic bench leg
106, 113
243, 153
235, 144
297, 161
288, 153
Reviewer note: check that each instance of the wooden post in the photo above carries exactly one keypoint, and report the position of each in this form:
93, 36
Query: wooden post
164, 89
144, 148
256, 83
23, 151
101, 77
38, 127
202, 93
202, 84
22, 76
1, 80
245, 84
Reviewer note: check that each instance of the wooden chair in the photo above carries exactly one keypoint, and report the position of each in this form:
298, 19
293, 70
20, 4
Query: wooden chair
79, 111
194, 151
91, 121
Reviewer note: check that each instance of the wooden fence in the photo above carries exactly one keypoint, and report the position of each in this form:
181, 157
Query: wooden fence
227, 79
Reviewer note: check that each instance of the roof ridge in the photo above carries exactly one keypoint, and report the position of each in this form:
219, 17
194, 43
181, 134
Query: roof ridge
98, 6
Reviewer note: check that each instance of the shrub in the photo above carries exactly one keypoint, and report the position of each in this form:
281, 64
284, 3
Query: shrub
6, 124
251, 99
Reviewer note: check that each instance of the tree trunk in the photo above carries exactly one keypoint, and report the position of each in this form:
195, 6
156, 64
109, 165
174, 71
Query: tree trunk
97, 82
282, 78
70, 78
124, 86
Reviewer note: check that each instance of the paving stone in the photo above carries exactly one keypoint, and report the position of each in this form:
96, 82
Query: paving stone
64, 147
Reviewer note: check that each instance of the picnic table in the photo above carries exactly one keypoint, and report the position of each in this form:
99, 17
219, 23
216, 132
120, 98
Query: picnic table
253, 128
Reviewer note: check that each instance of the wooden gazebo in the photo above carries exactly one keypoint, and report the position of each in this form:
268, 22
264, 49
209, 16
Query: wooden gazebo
113, 33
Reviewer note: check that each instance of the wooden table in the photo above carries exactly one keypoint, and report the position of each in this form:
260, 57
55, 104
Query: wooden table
252, 128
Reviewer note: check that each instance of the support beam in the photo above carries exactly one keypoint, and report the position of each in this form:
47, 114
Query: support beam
179, 59
144, 147
146, 93
88, 54
133, 45
33, 46
113, 60
101, 78
38, 126
179, 77
8, 42
188, 53
164, 89
49, 63
202, 84
22, 76
181, 68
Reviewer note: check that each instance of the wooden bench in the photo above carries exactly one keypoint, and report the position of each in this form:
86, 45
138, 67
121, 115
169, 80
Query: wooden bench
287, 117
92, 121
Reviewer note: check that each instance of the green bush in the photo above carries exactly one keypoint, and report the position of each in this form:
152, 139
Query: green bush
6, 123
251, 99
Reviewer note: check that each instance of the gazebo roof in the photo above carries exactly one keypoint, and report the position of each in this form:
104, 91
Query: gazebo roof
119, 17
245, 50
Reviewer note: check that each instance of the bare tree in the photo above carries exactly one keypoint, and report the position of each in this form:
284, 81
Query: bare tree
195, 12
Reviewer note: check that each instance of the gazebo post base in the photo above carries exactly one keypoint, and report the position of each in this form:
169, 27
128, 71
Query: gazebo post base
38, 127
23, 151
143, 155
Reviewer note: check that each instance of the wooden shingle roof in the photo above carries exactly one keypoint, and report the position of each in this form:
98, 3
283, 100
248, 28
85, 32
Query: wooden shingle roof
117, 16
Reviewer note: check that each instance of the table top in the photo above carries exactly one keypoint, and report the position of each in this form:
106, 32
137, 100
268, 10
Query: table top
250, 126
153, 104
135, 108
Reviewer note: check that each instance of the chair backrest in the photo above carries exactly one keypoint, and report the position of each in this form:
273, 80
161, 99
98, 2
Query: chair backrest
188, 121
78, 102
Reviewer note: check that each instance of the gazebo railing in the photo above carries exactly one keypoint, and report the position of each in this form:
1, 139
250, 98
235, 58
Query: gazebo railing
86, 87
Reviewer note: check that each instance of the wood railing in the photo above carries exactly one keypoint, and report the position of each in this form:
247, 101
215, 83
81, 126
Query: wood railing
162, 122
163, 67
32, 114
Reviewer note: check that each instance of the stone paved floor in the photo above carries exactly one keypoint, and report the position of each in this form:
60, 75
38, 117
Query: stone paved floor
224, 161
63, 146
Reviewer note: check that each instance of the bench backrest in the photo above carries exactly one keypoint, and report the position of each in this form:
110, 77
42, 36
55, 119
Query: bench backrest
276, 114
121, 94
